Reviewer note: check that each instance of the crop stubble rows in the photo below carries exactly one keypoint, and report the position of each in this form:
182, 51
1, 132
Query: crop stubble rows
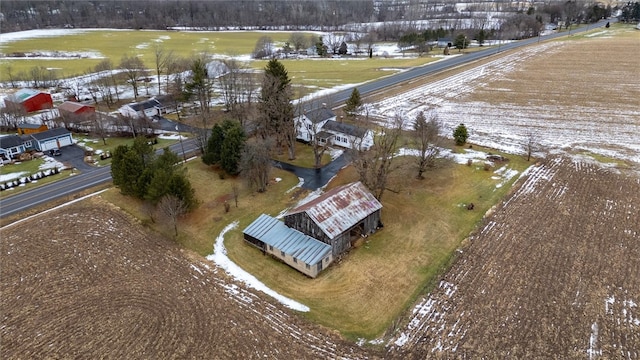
554, 273
85, 281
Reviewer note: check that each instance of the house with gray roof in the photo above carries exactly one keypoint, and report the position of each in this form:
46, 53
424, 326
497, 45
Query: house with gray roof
347, 135
308, 123
11, 146
52, 139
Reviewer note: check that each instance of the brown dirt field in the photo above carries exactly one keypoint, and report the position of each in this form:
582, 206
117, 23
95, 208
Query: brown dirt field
554, 273
86, 281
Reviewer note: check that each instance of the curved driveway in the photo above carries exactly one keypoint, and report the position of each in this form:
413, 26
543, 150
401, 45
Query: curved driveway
313, 178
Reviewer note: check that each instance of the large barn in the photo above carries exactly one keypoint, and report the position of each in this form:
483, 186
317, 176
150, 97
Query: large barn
29, 100
338, 217
315, 233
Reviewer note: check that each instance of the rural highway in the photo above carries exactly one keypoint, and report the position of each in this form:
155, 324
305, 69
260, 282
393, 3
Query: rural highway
23, 201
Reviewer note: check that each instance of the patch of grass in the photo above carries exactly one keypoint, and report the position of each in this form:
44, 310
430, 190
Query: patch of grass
27, 168
309, 75
363, 293
425, 221
304, 156
113, 44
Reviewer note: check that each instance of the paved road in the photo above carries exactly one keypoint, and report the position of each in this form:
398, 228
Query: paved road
88, 178
314, 178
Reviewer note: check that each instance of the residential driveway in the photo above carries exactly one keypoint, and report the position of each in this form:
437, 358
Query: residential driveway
315, 178
73, 156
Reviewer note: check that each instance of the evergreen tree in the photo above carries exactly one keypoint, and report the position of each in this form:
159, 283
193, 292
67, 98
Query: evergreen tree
276, 110
461, 42
353, 104
225, 146
129, 165
460, 134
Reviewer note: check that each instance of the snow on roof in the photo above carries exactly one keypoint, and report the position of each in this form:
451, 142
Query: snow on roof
337, 210
292, 242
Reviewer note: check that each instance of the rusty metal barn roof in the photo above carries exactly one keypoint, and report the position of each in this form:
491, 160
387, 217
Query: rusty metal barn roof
337, 210
274, 232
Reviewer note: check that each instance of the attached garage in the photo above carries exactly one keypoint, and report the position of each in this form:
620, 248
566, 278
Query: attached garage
52, 139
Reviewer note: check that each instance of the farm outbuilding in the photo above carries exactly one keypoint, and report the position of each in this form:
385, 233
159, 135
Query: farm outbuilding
29, 128
75, 109
29, 100
294, 248
339, 217
52, 139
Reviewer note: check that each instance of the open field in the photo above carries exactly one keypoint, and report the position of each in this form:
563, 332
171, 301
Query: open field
552, 271
106, 287
79, 51
576, 95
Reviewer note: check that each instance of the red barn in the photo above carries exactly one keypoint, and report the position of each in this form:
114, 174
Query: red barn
29, 100
72, 108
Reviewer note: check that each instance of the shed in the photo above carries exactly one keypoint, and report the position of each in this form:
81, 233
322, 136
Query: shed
294, 248
339, 217
29, 100
11, 146
52, 139
28, 128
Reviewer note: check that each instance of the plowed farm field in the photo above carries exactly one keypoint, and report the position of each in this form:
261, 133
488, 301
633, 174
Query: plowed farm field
553, 274
88, 282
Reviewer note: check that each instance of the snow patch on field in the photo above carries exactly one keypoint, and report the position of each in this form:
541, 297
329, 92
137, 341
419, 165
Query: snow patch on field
220, 258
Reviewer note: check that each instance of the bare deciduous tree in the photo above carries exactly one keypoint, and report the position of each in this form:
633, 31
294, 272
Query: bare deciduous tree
171, 207
255, 165
163, 58
425, 134
133, 68
374, 166
531, 143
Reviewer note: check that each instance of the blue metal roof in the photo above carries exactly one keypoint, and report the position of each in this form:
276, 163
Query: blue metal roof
292, 242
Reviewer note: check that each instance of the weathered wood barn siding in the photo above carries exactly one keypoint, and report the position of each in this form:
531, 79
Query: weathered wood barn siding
337, 215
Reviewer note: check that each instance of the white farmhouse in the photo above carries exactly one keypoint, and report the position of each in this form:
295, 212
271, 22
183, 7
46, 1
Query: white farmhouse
321, 123
142, 109
311, 122
347, 135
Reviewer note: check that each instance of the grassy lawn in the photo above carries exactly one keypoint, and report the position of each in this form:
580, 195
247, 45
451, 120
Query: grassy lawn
26, 168
96, 144
304, 156
360, 295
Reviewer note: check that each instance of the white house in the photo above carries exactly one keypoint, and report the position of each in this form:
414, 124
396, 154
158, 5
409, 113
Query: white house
311, 122
346, 135
147, 108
